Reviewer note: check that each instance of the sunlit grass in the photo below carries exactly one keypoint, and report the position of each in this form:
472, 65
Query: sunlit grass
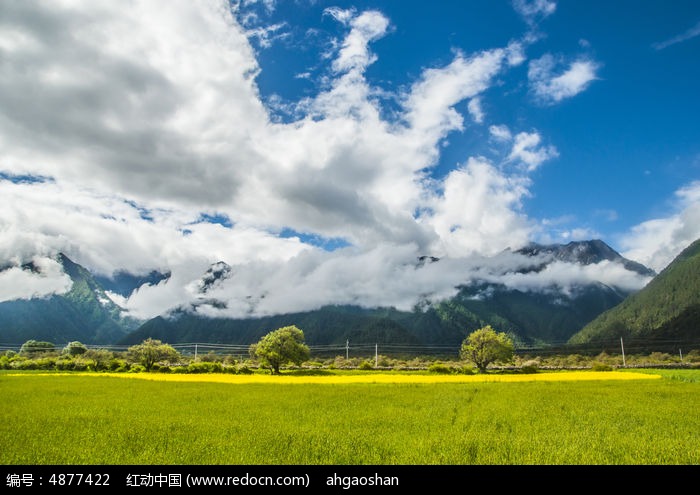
184, 419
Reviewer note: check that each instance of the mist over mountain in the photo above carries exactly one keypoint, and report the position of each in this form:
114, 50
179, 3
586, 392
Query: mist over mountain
539, 294
390, 277
84, 312
124, 283
585, 253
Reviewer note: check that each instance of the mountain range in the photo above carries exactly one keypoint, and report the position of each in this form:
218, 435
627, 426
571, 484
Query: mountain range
665, 311
550, 315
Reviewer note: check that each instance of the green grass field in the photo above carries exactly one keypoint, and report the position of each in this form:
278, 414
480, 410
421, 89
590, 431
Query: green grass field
96, 419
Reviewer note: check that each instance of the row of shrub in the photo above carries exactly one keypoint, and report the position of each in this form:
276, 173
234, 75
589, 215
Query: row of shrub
10, 360
104, 360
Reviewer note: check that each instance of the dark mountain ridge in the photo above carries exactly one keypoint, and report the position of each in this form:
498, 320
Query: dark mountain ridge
529, 316
87, 314
585, 253
667, 309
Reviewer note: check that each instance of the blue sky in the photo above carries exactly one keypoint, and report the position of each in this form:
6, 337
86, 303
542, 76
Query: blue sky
320, 147
626, 143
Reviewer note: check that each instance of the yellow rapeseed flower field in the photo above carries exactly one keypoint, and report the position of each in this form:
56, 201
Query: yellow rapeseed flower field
382, 378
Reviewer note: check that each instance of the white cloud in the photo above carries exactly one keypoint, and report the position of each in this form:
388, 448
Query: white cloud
106, 97
171, 118
475, 110
655, 243
354, 53
500, 132
144, 126
685, 36
515, 53
551, 86
268, 5
385, 276
266, 35
478, 211
46, 279
534, 10
430, 104
527, 149
568, 277
106, 233
343, 16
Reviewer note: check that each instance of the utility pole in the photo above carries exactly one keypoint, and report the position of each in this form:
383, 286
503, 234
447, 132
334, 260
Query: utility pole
195, 352
681, 353
622, 345
376, 355
347, 349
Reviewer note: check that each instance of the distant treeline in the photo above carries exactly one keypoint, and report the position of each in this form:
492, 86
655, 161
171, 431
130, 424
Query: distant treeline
222, 358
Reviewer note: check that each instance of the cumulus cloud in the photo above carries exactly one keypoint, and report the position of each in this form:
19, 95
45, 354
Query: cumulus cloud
106, 233
550, 85
104, 96
478, 211
527, 149
365, 28
147, 130
657, 242
430, 104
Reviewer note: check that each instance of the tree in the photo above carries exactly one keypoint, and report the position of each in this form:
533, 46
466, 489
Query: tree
74, 348
33, 347
150, 352
101, 358
282, 346
485, 346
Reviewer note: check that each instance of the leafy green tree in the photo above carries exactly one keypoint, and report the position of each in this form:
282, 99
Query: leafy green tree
101, 358
74, 348
485, 346
34, 347
282, 346
150, 351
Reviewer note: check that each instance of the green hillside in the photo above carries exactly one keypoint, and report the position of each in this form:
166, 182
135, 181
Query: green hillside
84, 313
328, 325
667, 308
528, 317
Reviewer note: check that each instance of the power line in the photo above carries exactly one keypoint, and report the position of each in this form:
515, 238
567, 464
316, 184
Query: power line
631, 345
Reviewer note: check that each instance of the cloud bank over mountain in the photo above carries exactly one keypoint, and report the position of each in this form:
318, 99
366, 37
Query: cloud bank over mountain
137, 139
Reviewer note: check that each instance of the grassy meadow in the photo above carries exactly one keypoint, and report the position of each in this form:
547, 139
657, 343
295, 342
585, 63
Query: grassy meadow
546, 418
